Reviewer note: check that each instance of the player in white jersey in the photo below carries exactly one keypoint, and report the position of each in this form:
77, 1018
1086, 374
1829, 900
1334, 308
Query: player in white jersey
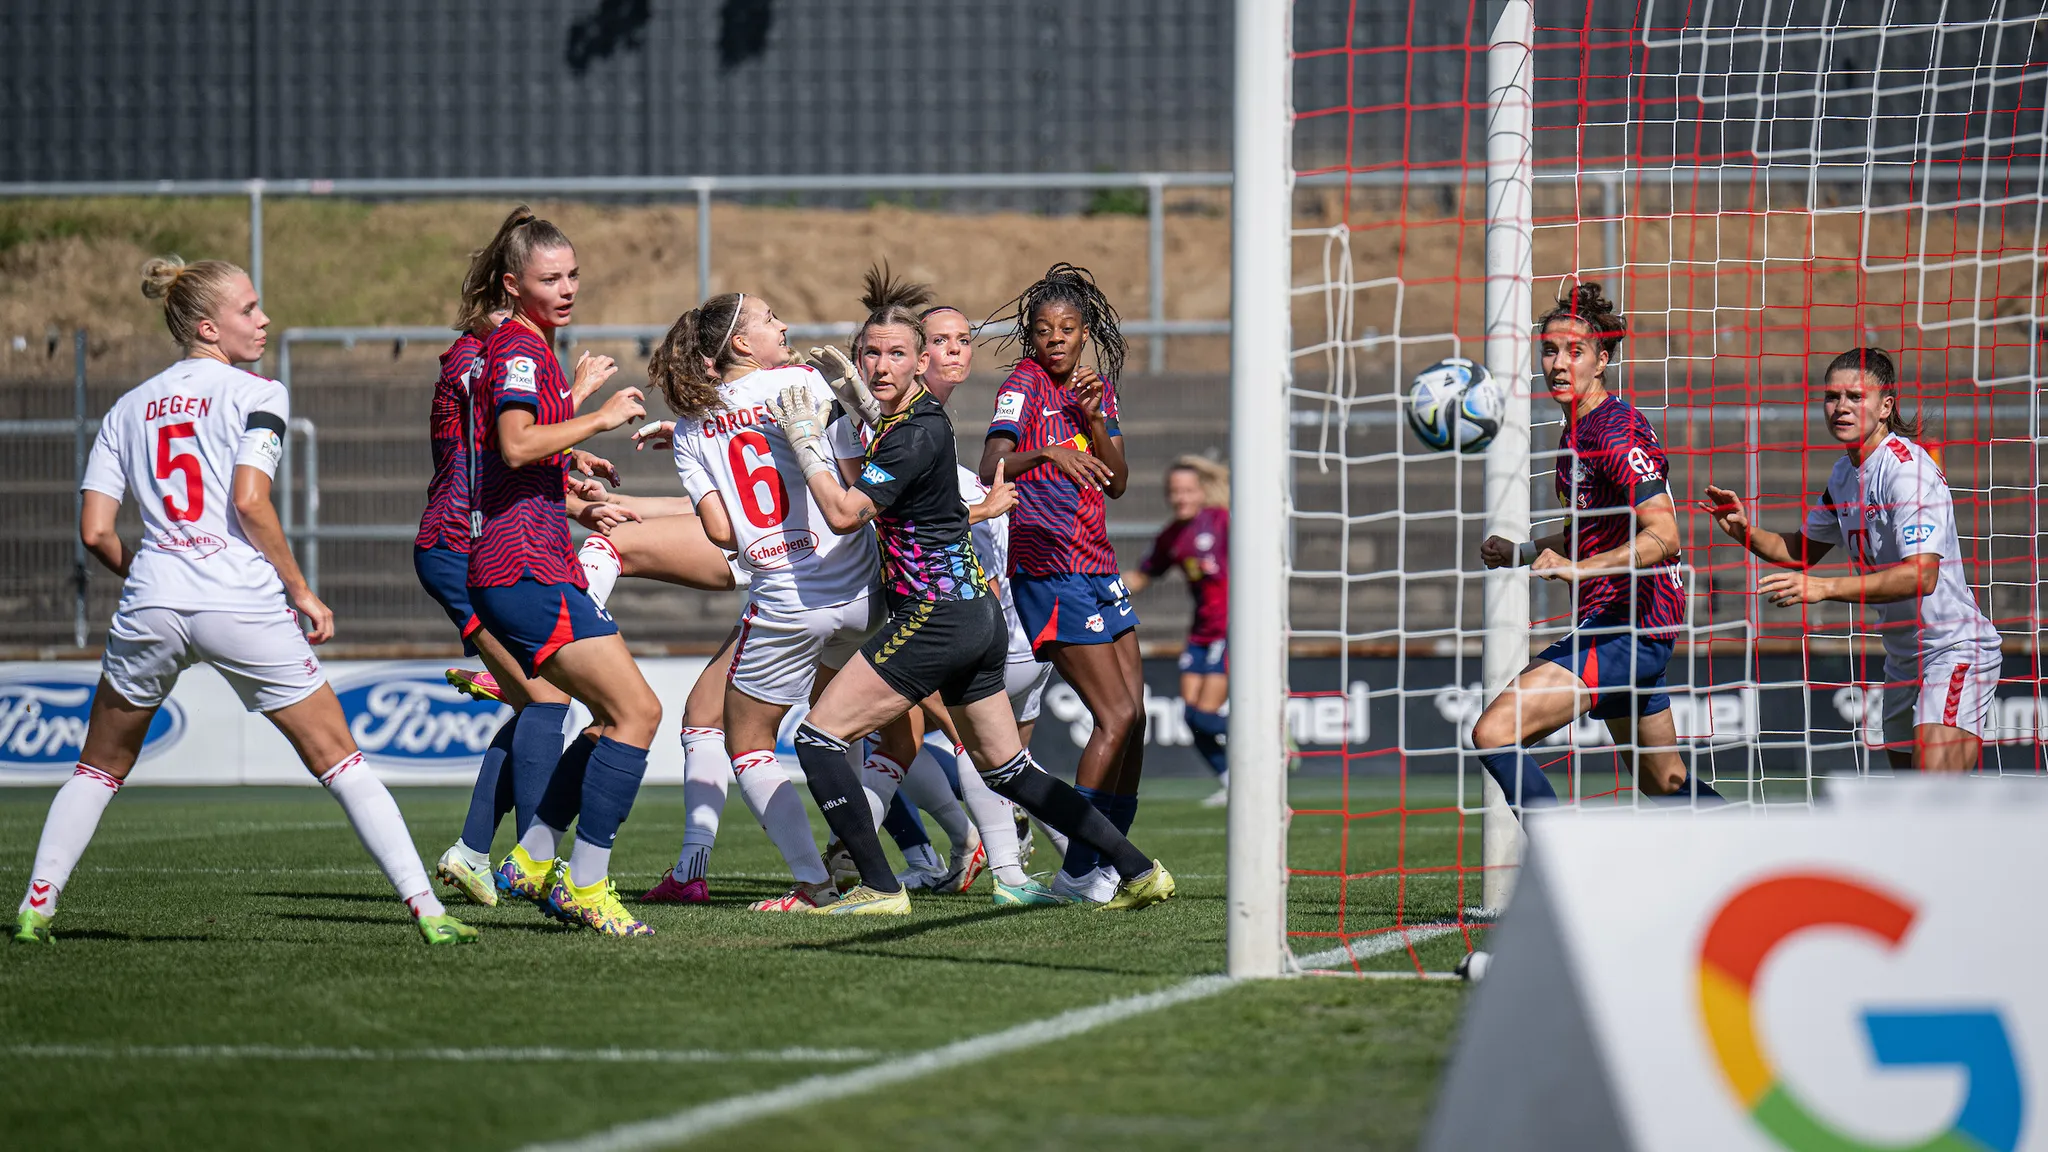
214, 581
1890, 503
808, 597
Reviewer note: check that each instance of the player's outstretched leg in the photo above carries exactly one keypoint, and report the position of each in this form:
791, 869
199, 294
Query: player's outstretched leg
707, 774
319, 732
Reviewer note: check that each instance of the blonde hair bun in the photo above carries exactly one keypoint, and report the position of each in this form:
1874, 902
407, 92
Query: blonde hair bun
159, 273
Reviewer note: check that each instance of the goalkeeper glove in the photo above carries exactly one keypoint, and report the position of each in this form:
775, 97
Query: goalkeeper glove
796, 410
847, 385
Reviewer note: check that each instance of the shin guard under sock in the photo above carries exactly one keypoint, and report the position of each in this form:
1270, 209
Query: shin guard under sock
1531, 790
536, 747
563, 797
837, 789
481, 824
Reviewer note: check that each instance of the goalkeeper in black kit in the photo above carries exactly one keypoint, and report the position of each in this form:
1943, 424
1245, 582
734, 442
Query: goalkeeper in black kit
944, 633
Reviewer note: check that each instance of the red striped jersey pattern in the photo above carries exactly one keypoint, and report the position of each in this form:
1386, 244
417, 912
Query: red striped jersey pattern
1058, 526
1612, 462
526, 527
445, 522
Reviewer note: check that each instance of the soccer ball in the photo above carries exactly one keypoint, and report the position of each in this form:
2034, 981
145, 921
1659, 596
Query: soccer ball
1454, 403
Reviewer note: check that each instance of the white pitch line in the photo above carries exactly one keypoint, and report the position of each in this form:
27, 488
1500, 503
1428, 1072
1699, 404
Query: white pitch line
439, 1055
1371, 946
691, 1123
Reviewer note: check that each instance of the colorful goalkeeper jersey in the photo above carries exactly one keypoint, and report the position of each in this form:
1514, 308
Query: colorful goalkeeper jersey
1895, 506
1610, 463
1059, 526
451, 426
927, 552
1200, 547
526, 522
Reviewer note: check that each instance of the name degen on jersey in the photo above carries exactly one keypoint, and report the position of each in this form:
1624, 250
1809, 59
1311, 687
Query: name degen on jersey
175, 441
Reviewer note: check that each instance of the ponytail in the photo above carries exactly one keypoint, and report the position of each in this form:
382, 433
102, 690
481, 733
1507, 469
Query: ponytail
890, 303
686, 367
1588, 304
483, 286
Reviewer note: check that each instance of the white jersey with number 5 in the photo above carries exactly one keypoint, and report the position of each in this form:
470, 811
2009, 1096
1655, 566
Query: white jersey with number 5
797, 561
1898, 505
175, 441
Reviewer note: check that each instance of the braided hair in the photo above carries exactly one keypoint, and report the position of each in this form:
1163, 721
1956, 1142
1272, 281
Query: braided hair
1064, 283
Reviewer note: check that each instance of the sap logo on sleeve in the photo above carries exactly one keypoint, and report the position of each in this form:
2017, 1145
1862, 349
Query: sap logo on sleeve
1916, 533
1010, 406
873, 474
520, 373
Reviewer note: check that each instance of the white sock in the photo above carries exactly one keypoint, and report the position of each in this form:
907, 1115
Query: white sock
880, 776
382, 830
588, 863
542, 842
773, 801
600, 566
925, 785
707, 775
74, 815
997, 821
923, 858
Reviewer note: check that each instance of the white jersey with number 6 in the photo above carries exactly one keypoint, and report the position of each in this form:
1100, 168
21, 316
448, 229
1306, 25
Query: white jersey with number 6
797, 561
175, 441
1898, 505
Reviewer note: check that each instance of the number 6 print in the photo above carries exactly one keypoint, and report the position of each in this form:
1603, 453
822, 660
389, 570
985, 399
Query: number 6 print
752, 478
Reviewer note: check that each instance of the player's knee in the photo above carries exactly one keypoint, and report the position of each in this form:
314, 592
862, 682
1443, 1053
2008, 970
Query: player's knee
1493, 730
1118, 718
637, 717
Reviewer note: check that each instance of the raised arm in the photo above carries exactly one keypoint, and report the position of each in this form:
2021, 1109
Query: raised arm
1801, 551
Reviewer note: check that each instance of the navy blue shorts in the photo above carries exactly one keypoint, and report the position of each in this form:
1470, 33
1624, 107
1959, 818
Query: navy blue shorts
535, 620
1072, 609
1610, 659
444, 573
1208, 659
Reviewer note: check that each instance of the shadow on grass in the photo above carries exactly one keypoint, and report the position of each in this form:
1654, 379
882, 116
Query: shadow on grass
130, 937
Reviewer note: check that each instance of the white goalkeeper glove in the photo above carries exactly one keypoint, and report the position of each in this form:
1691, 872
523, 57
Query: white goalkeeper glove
847, 385
796, 410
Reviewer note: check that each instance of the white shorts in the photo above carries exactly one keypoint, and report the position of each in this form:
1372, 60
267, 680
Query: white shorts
777, 655
1954, 688
261, 653
1025, 681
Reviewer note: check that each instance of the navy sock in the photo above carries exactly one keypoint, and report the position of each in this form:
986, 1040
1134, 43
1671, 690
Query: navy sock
1066, 810
1208, 729
1123, 812
901, 822
564, 795
836, 787
481, 824
1082, 859
610, 782
536, 746
1532, 790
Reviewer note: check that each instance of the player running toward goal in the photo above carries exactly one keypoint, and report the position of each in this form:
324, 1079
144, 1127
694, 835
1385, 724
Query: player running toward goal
944, 633
1197, 543
1619, 550
1889, 501
529, 591
214, 582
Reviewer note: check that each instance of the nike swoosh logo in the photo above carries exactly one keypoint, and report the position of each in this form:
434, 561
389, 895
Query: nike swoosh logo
565, 393
1052, 411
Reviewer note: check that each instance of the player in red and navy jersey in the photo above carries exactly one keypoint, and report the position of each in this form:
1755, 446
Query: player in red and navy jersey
1055, 435
527, 588
1197, 544
945, 632
1619, 550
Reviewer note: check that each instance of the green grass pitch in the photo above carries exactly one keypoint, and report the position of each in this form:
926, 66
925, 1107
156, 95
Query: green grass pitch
231, 971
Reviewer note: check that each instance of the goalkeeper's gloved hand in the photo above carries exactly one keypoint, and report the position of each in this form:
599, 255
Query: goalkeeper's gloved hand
846, 384
803, 424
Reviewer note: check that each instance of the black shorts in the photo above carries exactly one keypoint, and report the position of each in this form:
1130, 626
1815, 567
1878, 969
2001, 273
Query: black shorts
952, 647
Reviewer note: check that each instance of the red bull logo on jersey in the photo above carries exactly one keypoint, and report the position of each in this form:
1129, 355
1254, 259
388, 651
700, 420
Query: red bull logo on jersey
781, 549
408, 714
43, 717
